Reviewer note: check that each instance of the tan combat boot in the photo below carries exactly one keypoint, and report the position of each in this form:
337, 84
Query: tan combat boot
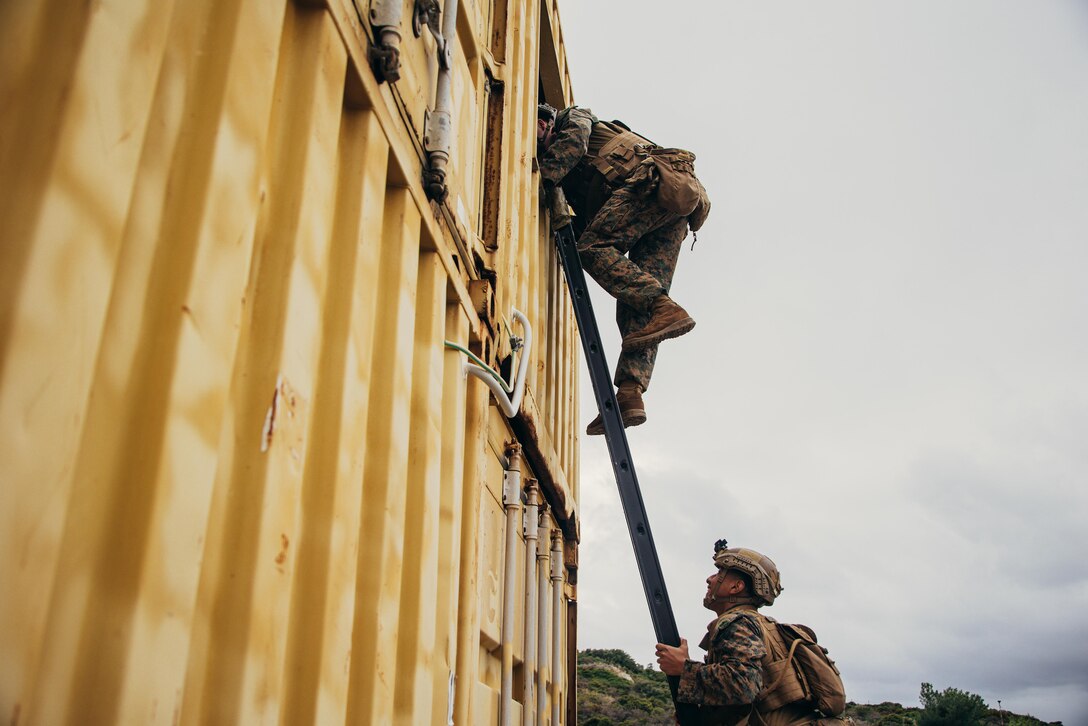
669, 320
632, 410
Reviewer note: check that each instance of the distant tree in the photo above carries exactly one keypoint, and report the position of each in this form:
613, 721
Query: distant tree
950, 707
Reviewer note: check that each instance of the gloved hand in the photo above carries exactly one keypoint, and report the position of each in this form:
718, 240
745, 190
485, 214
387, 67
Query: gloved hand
558, 208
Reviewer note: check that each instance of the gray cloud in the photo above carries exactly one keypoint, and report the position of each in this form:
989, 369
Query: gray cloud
886, 391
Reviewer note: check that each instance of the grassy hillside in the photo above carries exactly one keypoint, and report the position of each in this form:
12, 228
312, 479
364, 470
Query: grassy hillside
614, 690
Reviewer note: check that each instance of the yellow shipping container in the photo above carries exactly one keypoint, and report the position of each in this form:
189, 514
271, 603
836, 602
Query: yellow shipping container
244, 480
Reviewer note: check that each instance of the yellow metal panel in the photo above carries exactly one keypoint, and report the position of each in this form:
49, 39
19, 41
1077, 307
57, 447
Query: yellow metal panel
253, 532
144, 413
490, 564
374, 640
62, 214
243, 480
454, 422
419, 577
323, 595
486, 701
468, 598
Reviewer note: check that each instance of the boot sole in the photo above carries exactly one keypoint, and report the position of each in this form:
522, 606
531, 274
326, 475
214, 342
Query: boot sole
680, 327
634, 417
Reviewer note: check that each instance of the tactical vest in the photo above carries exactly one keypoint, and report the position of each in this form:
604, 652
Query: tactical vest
613, 151
592, 180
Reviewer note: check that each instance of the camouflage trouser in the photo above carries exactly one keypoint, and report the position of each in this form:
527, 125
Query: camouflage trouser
630, 248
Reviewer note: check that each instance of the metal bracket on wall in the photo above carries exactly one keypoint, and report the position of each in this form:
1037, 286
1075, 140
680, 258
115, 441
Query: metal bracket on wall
427, 13
511, 487
384, 53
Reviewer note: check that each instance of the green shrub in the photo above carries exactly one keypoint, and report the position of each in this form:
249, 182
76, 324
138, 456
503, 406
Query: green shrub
613, 656
950, 707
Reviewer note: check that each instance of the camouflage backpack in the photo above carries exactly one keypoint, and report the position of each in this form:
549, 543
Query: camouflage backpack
797, 668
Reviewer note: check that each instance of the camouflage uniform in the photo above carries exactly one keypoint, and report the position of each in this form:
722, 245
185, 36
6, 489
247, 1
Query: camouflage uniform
627, 242
726, 685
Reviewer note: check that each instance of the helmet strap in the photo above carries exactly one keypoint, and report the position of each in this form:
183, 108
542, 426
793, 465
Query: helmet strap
748, 599
743, 599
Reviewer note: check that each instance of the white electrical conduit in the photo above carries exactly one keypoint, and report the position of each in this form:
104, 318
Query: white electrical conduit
557, 622
510, 404
511, 500
472, 357
542, 626
531, 534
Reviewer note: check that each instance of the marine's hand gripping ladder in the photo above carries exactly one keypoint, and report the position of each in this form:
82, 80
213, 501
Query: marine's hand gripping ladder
653, 582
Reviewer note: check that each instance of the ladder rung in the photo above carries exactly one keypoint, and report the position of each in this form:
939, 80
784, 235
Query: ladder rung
638, 524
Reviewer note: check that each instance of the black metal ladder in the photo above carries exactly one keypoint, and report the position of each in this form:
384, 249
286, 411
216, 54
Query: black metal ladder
638, 525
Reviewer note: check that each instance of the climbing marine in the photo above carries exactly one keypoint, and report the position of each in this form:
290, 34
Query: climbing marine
634, 202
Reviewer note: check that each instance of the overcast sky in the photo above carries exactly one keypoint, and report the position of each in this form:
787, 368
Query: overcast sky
887, 391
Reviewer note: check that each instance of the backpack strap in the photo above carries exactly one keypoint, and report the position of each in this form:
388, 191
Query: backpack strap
789, 658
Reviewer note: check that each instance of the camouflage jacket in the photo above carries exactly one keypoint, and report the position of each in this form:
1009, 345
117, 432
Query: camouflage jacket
728, 682
560, 166
572, 131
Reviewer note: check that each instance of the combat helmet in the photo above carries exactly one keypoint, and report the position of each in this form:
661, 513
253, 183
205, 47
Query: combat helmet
766, 582
546, 112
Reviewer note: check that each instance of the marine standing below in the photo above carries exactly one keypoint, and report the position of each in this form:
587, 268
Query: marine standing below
731, 686
634, 203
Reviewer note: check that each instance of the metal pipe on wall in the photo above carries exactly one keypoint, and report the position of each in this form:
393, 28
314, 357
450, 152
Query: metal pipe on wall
438, 124
384, 55
541, 665
531, 534
511, 501
557, 624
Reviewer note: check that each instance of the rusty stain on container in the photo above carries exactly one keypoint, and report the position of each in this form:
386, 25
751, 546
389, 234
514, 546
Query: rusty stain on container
270, 417
215, 230
282, 556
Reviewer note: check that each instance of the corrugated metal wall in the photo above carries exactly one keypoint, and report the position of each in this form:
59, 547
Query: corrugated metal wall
243, 479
